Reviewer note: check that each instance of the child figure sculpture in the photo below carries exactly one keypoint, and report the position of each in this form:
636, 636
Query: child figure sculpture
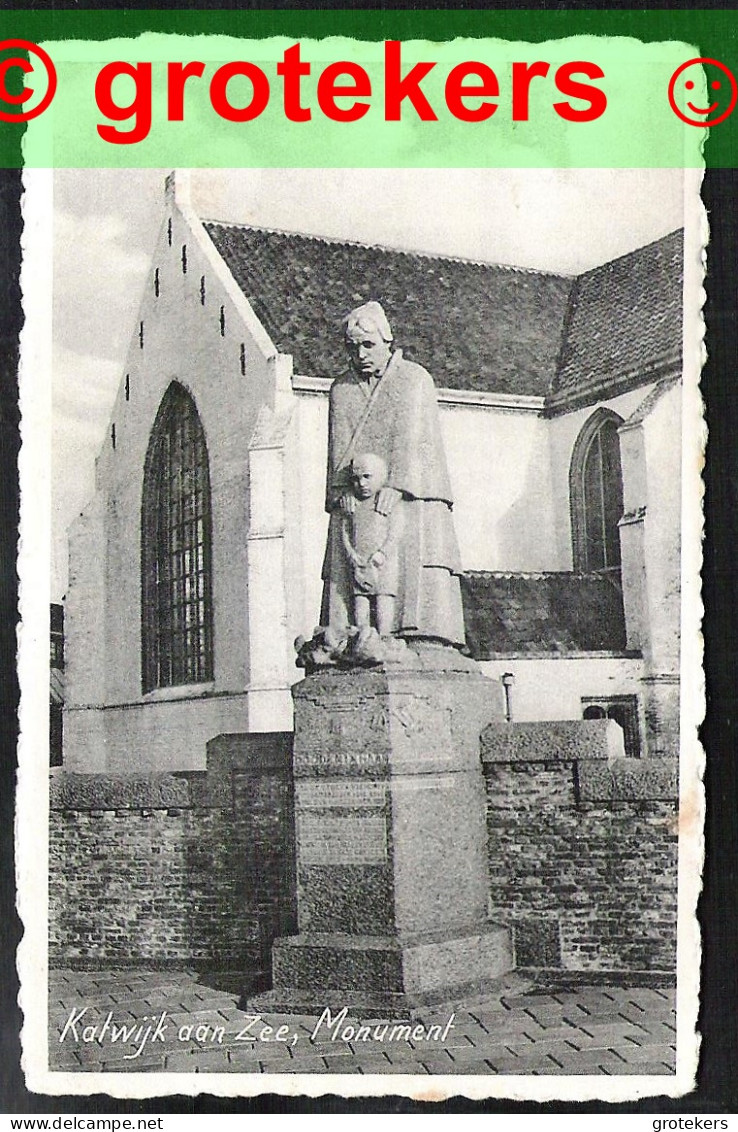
372, 541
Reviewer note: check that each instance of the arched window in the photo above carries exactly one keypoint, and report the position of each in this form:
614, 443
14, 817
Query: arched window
176, 554
624, 710
596, 493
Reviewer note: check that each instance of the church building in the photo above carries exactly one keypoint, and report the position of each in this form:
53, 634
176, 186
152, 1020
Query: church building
197, 562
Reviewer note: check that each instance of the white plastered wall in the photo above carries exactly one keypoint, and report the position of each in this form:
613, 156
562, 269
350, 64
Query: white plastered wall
200, 331
553, 687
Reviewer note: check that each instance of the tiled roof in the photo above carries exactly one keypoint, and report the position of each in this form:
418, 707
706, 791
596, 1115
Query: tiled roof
475, 326
624, 318
472, 325
542, 613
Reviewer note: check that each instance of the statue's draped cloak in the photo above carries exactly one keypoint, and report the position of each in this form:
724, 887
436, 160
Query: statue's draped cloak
399, 421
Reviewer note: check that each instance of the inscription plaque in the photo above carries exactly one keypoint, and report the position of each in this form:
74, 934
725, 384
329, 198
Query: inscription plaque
333, 758
341, 841
340, 795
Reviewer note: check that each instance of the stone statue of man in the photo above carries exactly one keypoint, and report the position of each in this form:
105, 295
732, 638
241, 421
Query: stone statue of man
387, 406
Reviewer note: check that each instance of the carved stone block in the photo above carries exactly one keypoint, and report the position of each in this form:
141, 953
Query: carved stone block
390, 840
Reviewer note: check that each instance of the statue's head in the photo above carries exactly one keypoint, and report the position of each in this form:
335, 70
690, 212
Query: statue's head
368, 339
368, 474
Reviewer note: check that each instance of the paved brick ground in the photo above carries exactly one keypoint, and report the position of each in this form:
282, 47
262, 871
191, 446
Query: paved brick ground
523, 1028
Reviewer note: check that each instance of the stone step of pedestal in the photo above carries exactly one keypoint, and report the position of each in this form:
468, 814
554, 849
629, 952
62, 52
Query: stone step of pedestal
363, 1006
384, 973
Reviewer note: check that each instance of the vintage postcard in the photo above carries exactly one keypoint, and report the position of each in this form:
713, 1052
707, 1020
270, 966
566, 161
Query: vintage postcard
364, 508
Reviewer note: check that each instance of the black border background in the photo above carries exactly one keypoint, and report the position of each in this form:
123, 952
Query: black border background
717, 1090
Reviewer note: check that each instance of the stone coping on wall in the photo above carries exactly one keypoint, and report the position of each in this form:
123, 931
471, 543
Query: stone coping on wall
564, 740
175, 790
154, 791
628, 780
243, 753
595, 748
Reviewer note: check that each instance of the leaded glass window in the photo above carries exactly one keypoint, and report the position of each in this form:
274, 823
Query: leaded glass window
596, 490
176, 551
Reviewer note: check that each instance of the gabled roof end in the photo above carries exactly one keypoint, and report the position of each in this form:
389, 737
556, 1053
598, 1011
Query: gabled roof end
177, 189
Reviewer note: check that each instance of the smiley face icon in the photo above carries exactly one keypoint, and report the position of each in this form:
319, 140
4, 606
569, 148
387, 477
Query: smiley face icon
719, 100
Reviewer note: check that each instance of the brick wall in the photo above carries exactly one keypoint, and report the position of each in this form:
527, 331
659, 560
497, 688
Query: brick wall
582, 851
169, 868
199, 868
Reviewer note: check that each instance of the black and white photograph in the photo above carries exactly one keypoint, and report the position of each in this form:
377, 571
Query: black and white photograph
372, 574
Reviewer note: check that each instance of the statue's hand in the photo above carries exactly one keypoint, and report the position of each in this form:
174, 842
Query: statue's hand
386, 499
347, 503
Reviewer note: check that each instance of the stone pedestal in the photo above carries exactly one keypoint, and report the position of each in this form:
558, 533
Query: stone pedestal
392, 886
